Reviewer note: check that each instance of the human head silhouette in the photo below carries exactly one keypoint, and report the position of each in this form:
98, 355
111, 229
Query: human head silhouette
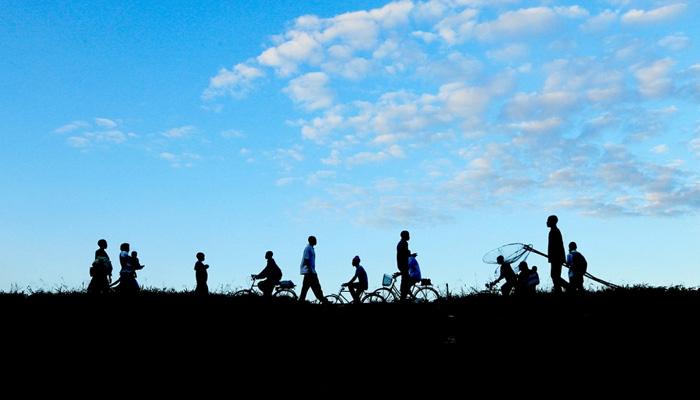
405, 235
500, 260
200, 256
356, 261
572, 246
312, 240
268, 254
552, 221
522, 266
102, 244
134, 253
124, 247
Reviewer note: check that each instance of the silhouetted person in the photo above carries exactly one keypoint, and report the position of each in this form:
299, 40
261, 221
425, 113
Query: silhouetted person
135, 263
507, 273
308, 269
534, 280
357, 288
556, 254
523, 287
271, 275
101, 270
201, 274
127, 274
402, 255
577, 268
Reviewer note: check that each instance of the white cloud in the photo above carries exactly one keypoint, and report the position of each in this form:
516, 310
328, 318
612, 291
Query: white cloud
694, 146
365, 157
288, 157
664, 13
73, 126
525, 105
83, 136
232, 134
457, 28
236, 81
179, 132
675, 42
653, 78
354, 69
572, 11
319, 176
660, 149
510, 53
538, 126
286, 181
78, 141
310, 91
517, 23
105, 123
183, 160
600, 22
299, 47
333, 158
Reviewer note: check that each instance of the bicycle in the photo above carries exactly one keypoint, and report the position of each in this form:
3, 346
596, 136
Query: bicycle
284, 289
421, 292
340, 298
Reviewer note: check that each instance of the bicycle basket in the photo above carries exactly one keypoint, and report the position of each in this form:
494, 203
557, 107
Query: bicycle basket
426, 282
286, 284
386, 281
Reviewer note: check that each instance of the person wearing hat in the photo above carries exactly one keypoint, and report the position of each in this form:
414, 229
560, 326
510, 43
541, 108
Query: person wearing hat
357, 288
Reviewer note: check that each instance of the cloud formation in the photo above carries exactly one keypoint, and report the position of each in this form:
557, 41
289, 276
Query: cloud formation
487, 103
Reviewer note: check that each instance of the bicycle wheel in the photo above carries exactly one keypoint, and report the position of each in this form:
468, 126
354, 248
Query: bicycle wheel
285, 293
426, 294
334, 299
373, 298
245, 293
386, 294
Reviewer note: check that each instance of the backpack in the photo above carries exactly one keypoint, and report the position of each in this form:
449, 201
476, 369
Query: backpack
579, 262
413, 269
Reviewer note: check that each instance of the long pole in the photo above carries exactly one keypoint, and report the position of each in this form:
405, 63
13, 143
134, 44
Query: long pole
587, 275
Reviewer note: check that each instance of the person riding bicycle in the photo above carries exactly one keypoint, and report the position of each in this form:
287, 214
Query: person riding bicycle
272, 275
508, 274
357, 288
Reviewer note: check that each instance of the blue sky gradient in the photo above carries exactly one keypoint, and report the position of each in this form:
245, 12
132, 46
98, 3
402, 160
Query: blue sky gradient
234, 128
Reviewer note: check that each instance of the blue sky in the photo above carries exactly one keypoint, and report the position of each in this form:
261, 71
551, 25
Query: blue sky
234, 128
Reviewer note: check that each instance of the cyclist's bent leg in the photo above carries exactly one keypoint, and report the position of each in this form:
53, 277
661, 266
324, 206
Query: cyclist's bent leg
355, 292
266, 287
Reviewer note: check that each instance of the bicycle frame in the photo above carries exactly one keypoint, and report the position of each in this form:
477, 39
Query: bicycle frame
254, 289
396, 293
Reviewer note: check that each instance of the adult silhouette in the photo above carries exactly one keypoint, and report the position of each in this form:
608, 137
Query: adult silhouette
127, 274
201, 275
507, 273
308, 269
272, 274
357, 288
101, 270
556, 254
577, 268
402, 255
